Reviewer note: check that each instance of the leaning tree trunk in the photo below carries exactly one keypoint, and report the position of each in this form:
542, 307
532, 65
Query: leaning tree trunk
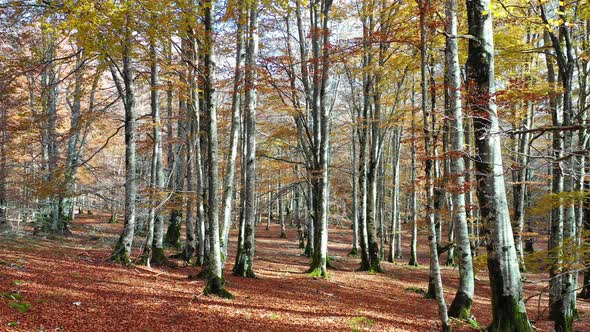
230, 168
508, 308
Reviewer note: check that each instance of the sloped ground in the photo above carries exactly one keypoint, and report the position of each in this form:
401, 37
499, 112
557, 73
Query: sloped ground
66, 285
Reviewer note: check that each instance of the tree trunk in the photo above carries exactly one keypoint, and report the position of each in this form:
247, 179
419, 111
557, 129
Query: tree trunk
230, 167
319, 17
66, 199
355, 209
244, 263
509, 312
215, 281
414, 195
3, 166
281, 203
395, 184
563, 290
122, 251
429, 173
461, 305
158, 257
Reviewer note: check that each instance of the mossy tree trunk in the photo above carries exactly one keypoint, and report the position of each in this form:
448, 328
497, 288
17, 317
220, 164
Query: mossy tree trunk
508, 308
245, 261
215, 281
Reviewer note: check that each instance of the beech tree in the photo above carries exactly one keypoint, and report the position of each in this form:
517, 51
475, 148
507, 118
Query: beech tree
509, 312
245, 258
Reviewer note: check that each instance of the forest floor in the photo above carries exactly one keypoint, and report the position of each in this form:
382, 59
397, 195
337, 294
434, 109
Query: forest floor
65, 284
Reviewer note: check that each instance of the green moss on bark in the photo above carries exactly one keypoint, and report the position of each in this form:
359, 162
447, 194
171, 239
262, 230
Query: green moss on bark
461, 306
510, 319
215, 286
354, 252
509, 312
375, 266
318, 272
318, 266
120, 255
159, 257
244, 270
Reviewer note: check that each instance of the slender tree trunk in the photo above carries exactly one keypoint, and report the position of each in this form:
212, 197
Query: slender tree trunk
585, 293
362, 185
520, 187
310, 246
243, 168
179, 160
269, 205
230, 168
563, 291
194, 232
395, 184
461, 305
122, 251
200, 190
67, 198
281, 209
555, 244
190, 246
429, 173
469, 212
244, 263
158, 256
297, 215
3, 166
355, 209
414, 195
